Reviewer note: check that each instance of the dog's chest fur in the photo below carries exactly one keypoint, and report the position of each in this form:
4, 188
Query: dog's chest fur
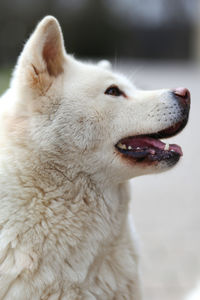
65, 242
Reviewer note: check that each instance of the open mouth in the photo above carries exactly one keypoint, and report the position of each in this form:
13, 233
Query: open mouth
149, 148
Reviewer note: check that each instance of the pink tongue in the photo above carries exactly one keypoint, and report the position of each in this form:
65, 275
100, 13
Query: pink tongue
176, 149
142, 142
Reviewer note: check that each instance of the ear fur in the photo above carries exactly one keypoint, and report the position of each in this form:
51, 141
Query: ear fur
43, 56
53, 46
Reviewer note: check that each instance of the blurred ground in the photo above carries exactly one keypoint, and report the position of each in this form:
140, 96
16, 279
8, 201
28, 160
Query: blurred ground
166, 207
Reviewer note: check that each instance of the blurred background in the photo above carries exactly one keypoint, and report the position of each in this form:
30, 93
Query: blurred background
157, 44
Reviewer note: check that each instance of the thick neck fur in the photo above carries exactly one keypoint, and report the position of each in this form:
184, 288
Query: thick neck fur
66, 210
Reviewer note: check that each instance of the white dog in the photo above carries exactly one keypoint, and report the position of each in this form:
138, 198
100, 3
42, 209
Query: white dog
71, 136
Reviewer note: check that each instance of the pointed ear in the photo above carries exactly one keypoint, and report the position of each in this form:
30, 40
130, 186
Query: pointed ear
53, 45
43, 54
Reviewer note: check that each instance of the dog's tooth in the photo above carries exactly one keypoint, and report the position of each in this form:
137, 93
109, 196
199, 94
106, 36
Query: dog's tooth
166, 148
129, 147
122, 146
138, 148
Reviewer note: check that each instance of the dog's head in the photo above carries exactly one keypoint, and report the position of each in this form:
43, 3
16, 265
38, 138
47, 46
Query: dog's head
89, 117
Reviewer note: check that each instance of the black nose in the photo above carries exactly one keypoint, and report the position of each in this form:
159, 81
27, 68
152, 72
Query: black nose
183, 96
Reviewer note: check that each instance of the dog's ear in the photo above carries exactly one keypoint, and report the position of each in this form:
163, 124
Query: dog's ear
105, 64
43, 56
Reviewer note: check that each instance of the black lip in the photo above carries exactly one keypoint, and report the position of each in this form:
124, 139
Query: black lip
143, 156
174, 129
170, 157
170, 131
161, 155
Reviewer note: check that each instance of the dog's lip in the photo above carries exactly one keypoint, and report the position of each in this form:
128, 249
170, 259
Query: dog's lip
149, 146
169, 131
146, 144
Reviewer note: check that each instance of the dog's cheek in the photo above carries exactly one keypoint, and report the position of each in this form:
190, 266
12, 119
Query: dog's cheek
88, 137
88, 131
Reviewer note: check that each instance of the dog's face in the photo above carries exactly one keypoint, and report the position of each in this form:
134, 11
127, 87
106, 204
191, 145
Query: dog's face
89, 117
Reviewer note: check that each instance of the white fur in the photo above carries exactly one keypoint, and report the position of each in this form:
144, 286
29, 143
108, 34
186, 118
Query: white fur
64, 197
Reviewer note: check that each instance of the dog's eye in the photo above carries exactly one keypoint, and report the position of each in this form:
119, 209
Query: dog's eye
113, 90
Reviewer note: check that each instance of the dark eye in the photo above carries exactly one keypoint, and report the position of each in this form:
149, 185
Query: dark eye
114, 91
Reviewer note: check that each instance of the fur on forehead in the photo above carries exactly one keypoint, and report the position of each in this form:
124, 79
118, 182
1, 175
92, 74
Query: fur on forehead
94, 75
